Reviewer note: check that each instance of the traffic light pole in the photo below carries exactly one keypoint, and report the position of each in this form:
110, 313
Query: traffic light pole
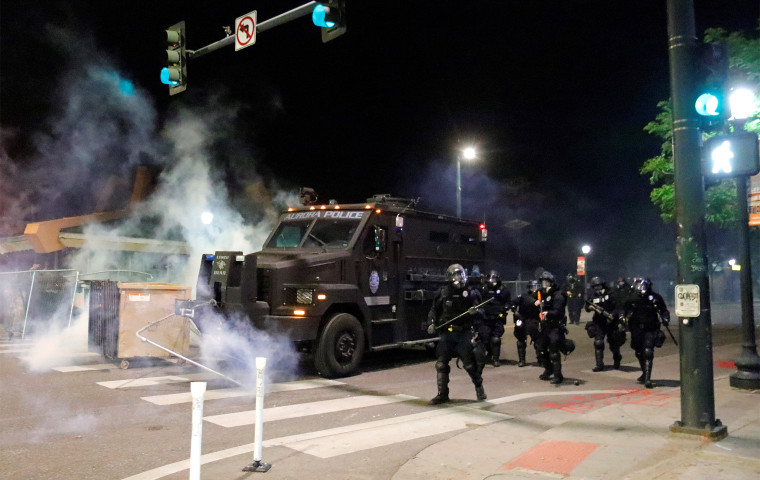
286, 17
695, 348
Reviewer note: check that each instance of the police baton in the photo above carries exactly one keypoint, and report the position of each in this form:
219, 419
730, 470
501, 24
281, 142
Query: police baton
468, 311
671, 333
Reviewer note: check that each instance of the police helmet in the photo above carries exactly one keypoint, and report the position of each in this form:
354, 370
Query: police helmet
645, 285
494, 279
533, 286
456, 275
597, 283
570, 277
547, 276
622, 283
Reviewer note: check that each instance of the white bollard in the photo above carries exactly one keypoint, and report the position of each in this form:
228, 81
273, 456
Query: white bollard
258, 465
197, 389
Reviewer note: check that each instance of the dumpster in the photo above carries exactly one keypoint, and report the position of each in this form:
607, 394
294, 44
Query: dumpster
141, 304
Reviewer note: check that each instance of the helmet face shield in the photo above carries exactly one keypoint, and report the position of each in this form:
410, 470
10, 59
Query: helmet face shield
456, 275
494, 279
645, 285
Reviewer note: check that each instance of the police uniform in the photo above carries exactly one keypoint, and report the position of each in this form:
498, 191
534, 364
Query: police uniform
551, 340
574, 294
646, 311
455, 339
489, 330
526, 322
602, 326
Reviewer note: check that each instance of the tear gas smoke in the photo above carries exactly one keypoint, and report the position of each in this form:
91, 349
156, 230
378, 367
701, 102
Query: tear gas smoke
105, 127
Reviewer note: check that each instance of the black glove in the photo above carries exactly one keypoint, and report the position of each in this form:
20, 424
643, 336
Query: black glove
431, 329
666, 321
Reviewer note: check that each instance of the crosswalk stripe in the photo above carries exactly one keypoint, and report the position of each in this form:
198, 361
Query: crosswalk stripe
66, 356
14, 350
355, 438
215, 394
248, 417
85, 368
471, 414
150, 381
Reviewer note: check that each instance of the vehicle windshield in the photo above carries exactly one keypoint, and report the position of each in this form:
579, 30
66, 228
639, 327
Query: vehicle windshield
328, 232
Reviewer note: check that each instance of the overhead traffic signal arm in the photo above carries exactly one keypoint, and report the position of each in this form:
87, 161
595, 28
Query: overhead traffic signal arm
331, 15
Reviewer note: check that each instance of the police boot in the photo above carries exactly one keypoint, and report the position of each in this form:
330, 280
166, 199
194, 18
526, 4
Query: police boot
616, 358
443, 389
521, 354
496, 352
643, 365
480, 392
556, 368
543, 359
599, 361
648, 374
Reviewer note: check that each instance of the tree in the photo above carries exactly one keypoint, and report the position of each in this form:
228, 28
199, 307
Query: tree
720, 199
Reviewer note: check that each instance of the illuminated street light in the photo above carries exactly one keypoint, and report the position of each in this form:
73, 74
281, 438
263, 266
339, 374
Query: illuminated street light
585, 249
469, 153
207, 218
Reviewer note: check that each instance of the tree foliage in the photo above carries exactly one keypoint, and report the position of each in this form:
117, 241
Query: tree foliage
720, 199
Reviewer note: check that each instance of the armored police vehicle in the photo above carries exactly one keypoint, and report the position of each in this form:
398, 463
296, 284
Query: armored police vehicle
340, 280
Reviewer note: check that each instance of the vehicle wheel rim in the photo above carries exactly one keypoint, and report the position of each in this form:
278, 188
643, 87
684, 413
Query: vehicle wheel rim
345, 346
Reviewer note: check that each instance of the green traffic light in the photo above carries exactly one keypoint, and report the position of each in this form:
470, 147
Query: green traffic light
708, 105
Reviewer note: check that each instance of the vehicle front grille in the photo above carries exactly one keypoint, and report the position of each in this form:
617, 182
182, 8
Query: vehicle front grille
264, 284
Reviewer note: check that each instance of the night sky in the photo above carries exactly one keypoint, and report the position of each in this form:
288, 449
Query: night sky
554, 94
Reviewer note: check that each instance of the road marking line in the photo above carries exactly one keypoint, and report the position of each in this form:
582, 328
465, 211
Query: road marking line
248, 417
215, 394
247, 449
86, 368
65, 356
149, 381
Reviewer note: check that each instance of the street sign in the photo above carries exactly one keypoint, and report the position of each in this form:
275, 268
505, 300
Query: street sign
687, 301
581, 270
245, 31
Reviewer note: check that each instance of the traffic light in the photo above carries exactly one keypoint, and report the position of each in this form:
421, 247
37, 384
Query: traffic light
330, 16
731, 155
711, 102
174, 73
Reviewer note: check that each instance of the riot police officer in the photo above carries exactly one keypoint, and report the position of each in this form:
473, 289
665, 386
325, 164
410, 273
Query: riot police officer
526, 315
488, 332
646, 312
551, 340
574, 293
452, 317
604, 323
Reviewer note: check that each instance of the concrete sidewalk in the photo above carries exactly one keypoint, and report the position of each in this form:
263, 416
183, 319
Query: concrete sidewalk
624, 436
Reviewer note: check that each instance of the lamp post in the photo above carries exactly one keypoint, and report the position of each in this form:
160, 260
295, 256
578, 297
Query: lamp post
747, 376
468, 154
585, 249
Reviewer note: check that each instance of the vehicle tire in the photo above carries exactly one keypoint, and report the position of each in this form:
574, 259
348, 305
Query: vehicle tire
340, 347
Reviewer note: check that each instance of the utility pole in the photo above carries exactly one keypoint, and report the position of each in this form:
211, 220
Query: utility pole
695, 347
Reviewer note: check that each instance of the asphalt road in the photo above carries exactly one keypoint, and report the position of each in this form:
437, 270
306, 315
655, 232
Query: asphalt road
85, 418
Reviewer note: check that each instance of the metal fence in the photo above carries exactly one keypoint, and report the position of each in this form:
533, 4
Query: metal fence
36, 300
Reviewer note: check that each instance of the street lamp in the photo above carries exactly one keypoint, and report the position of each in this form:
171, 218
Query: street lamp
468, 154
585, 249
